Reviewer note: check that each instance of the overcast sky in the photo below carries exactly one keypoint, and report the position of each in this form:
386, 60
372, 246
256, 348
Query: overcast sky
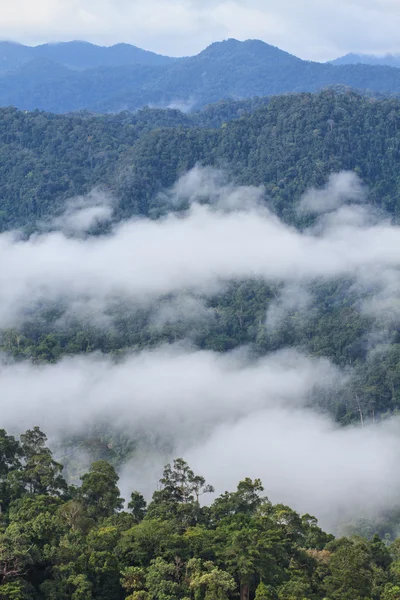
311, 29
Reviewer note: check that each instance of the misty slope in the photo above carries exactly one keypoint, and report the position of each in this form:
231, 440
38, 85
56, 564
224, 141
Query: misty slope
389, 60
226, 276
77, 55
228, 69
289, 145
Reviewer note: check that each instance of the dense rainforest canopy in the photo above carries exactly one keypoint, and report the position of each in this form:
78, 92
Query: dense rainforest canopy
287, 144
61, 542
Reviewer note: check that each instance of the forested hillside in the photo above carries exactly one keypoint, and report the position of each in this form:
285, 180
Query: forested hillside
60, 542
289, 145
229, 69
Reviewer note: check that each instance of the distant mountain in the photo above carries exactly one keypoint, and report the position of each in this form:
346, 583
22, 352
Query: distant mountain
229, 69
78, 55
13, 55
250, 51
389, 60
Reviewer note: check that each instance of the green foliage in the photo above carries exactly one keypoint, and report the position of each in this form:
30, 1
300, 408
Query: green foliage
47, 158
351, 570
81, 546
209, 582
41, 474
137, 505
60, 542
161, 580
10, 455
179, 495
99, 492
17, 590
263, 593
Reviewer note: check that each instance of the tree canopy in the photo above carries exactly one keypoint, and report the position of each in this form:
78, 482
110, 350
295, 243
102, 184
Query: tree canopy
80, 543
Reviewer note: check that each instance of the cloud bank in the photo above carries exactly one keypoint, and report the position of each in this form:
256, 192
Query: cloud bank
305, 461
235, 237
174, 389
83, 213
251, 413
230, 416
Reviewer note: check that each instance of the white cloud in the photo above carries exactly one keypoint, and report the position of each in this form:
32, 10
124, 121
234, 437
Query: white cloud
229, 416
183, 308
311, 29
293, 298
202, 405
341, 188
234, 238
174, 390
84, 212
307, 462
250, 413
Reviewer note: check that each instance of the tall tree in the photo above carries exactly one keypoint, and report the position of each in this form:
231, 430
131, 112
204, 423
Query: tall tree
41, 474
99, 491
10, 463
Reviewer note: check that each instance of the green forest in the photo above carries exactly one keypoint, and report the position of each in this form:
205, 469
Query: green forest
62, 542
65, 531
287, 143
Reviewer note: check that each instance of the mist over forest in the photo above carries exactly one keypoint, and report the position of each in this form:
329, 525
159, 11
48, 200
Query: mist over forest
200, 346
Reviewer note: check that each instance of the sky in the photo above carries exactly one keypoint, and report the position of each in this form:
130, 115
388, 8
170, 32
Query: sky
311, 29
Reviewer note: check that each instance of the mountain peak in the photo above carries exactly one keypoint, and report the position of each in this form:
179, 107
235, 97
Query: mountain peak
256, 49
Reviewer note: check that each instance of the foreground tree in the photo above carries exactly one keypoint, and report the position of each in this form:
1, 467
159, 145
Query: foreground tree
80, 544
41, 474
99, 491
179, 496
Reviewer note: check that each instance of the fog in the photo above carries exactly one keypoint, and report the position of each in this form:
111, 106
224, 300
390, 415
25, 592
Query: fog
175, 389
235, 237
341, 188
82, 213
305, 461
230, 415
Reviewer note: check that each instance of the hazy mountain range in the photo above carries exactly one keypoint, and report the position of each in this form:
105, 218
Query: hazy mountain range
77, 55
389, 60
77, 75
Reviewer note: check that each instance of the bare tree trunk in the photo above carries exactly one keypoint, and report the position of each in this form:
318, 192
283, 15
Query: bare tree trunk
360, 411
244, 591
